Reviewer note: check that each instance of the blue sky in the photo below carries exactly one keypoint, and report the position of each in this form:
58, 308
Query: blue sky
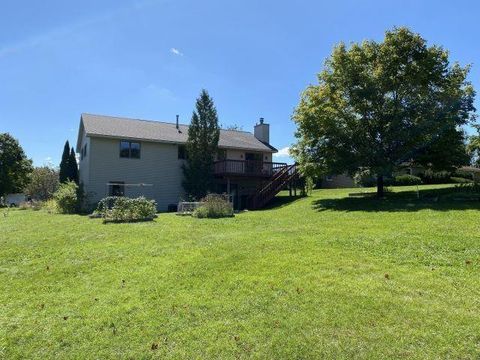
150, 58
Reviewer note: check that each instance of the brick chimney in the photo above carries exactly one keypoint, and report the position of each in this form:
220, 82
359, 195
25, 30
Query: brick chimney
262, 131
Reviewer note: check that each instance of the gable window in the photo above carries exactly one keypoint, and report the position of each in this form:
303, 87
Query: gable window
182, 152
129, 149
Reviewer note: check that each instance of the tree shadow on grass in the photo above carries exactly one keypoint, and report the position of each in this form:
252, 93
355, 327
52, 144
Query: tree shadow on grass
281, 201
435, 199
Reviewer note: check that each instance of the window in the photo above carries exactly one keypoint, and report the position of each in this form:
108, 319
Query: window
182, 152
129, 149
116, 188
83, 152
221, 154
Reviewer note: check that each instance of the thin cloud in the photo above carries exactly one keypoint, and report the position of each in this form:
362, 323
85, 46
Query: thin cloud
283, 152
53, 34
175, 51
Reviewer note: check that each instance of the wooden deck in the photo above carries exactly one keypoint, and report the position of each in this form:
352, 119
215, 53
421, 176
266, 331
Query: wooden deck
247, 168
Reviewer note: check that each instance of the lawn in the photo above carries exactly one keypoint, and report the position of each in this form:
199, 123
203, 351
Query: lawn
325, 276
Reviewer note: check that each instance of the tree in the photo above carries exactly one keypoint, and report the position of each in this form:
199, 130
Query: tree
64, 164
473, 147
43, 183
202, 145
73, 167
380, 105
68, 165
14, 165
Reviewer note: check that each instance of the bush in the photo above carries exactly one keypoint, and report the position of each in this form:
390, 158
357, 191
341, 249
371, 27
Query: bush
460, 180
214, 206
405, 180
67, 198
123, 209
441, 177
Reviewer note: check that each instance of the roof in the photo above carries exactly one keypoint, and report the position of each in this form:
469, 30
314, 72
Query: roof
157, 131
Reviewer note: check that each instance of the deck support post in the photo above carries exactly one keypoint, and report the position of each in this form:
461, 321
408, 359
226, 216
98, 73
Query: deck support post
228, 188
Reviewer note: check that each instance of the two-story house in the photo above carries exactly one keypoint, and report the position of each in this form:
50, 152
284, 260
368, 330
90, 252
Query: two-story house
130, 157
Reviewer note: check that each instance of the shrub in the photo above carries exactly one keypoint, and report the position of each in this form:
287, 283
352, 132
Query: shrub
50, 206
460, 180
214, 206
441, 177
123, 209
67, 198
404, 180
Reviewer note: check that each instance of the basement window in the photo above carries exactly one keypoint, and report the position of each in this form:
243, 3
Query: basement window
129, 149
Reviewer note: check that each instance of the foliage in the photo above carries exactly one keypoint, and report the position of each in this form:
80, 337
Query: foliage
14, 166
67, 199
473, 147
202, 145
123, 209
378, 105
214, 206
73, 166
460, 180
43, 183
50, 206
68, 165
396, 278
31, 205
406, 179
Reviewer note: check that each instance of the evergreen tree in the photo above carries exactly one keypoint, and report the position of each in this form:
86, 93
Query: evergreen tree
202, 145
73, 167
64, 164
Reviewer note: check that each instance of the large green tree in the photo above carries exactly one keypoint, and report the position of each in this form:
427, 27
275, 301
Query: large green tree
202, 145
15, 167
380, 104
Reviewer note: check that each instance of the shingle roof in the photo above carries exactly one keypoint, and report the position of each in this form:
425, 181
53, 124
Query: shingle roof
148, 130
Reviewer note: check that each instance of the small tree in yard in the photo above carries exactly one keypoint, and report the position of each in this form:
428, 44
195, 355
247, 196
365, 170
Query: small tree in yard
378, 105
14, 166
73, 167
202, 145
68, 165
43, 183
64, 163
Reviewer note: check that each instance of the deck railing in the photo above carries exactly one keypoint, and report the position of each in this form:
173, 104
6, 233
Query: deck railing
247, 167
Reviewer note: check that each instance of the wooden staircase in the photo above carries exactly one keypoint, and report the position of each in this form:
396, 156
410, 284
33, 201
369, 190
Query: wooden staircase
267, 191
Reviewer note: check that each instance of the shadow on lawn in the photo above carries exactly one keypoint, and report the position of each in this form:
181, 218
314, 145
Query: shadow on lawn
281, 201
435, 199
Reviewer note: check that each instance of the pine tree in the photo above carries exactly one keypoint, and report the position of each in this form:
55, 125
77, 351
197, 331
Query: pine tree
73, 167
64, 164
202, 145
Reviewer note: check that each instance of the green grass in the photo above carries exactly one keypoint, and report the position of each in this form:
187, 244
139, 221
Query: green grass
326, 276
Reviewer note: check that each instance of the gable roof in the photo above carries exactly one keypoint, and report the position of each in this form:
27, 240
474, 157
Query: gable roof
157, 131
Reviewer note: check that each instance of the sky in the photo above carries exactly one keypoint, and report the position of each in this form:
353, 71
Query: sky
149, 59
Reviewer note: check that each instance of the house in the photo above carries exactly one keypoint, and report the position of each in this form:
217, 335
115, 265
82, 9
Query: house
131, 157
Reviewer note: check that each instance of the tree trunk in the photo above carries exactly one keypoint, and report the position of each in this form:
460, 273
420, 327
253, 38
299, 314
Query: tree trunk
380, 186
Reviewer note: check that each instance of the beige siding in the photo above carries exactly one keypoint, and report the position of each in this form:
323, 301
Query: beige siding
84, 164
338, 181
158, 165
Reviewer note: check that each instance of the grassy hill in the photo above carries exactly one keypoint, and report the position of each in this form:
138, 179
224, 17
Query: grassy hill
326, 276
